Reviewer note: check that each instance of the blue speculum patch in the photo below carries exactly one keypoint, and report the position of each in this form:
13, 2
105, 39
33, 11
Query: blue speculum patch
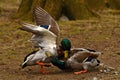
44, 26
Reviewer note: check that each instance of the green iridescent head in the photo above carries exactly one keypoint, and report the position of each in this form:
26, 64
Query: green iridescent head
65, 44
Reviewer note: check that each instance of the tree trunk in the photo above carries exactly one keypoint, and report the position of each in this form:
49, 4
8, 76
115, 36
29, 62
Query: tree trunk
77, 9
54, 8
114, 4
95, 4
73, 9
26, 7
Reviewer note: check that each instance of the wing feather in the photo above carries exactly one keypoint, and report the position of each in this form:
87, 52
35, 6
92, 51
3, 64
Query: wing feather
42, 37
43, 18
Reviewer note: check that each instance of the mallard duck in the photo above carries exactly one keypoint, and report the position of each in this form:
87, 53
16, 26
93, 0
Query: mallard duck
64, 48
45, 36
81, 59
44, 39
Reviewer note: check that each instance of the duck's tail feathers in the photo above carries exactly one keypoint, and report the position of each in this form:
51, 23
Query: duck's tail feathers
23, 65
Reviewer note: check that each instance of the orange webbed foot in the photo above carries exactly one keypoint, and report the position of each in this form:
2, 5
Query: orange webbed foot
80, 72
40, 63
42, 70
43, 64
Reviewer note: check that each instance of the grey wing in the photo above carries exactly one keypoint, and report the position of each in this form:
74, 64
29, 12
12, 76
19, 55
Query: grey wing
83, 53
42, 37
43, 18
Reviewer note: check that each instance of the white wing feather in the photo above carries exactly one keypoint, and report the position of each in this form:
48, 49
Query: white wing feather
42, 37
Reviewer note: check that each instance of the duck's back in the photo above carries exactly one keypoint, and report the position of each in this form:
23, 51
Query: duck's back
80, 54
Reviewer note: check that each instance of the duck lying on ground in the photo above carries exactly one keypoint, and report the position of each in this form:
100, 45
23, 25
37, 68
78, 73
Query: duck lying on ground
82, 59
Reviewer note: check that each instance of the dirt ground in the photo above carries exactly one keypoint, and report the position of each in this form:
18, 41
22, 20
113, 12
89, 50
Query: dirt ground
102, 34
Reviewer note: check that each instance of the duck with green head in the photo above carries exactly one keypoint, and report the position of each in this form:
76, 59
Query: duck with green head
64, 48
76, 58
63, 54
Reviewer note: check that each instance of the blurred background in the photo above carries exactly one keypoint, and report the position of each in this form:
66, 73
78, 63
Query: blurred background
67, 9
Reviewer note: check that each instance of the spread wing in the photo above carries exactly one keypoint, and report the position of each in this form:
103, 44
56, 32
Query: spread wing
42, 37
43, 18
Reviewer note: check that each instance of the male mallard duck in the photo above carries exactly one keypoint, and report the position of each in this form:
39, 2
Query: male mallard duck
64, 48
81, 59
45, 34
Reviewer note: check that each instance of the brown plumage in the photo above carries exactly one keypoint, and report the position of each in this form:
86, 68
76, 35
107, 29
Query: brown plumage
81, 58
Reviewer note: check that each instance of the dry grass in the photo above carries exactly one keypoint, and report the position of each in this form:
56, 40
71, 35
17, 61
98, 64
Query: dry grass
102, 35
